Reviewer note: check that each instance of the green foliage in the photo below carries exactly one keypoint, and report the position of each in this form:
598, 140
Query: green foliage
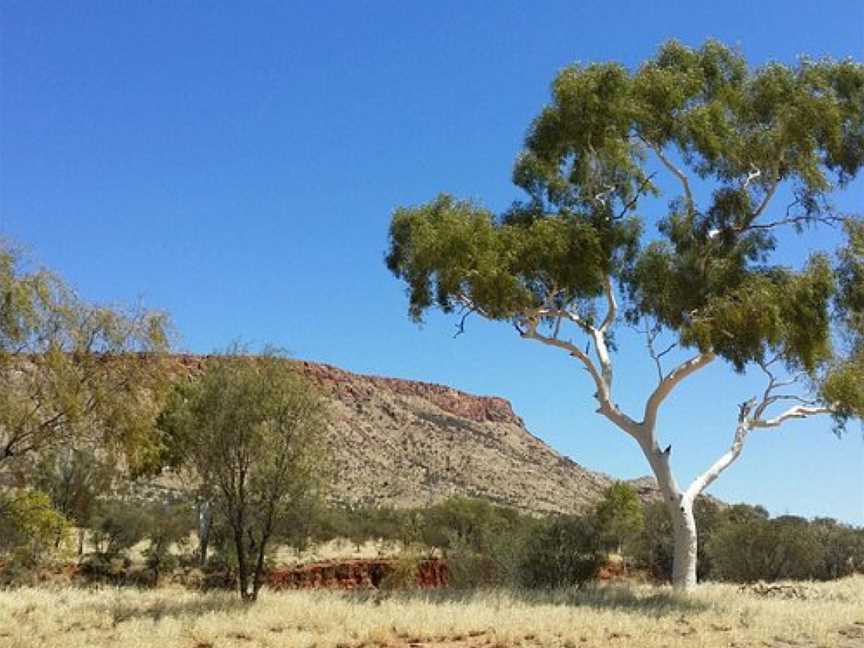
841, 549
30, 528
484, 544
742, 543
73, 478
119, 525
469, 523
761, 549
843, 383
72, 372
251, 428
566, 551
710, 279
170, 526
655, 547
620, 517
360, 524
453, 253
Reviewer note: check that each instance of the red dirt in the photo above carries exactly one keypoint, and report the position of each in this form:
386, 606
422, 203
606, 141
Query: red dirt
355, 574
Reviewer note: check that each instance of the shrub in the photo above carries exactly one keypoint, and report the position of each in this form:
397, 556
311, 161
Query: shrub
567, 551
620, 518
761, 549
118, 525
30, 528
654, 548
169, 525
842, 549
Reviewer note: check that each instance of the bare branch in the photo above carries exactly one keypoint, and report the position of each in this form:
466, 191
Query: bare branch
726, 459
604, 195
612, 305
650, 337
682, 177
769, 397
796, 220
603, 393
635, 198
669, 383
460, 327
796, 412
753, 175
767, 199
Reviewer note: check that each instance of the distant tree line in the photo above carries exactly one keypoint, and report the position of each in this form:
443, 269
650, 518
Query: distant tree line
487, 544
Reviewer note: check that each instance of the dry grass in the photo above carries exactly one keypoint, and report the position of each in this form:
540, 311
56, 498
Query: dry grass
718, 615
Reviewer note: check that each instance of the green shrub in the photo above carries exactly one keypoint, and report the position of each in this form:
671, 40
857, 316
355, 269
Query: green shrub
842, 549
620, 518
762, 549
566, 551
118, 525
31, 530
654, 549
168, 525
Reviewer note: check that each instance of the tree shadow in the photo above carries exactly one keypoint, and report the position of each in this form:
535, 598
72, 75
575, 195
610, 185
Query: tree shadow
121, 610
623, 598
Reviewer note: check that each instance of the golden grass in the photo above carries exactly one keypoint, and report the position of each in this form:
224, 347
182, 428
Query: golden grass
641, 616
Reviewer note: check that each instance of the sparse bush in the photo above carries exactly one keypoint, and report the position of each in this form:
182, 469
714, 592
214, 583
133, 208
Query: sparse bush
567, 551
168, 526
620, 518
763, 549
119, 525
654, 549
842, 549
30, 528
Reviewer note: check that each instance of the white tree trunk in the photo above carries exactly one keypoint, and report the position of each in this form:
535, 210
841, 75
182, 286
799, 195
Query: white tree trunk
686, 545
680, 507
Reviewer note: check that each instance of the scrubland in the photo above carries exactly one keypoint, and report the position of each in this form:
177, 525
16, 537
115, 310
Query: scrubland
829, 615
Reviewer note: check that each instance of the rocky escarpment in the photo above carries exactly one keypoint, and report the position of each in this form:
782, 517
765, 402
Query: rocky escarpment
404, 443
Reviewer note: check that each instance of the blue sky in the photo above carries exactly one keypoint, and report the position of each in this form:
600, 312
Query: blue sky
236, 165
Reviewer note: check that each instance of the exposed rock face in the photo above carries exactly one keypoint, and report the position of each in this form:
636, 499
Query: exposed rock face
356, 574
404, 443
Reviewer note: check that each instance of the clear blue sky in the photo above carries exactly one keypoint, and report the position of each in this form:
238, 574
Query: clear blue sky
236, 165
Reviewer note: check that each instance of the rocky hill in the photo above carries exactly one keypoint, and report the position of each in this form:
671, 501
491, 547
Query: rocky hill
405, 443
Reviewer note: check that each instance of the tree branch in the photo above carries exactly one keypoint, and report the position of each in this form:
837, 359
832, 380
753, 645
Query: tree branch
635, 198
603, 394
669, 383
796, 412
704, 480
612, 304
682, 177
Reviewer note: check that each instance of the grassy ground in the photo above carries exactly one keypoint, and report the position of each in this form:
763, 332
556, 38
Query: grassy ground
832, 615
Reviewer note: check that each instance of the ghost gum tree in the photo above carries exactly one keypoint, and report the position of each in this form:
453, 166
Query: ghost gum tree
712, 281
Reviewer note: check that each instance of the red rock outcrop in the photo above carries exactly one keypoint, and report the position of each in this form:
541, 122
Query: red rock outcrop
355, 574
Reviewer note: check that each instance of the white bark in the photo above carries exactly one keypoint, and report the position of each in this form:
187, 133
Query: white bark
679, 502
704, 480
686, 545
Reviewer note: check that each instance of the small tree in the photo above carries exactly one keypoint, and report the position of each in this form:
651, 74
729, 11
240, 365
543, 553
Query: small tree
119, 525
29, 526
566, 551
170, 526
251, 428
73, 478
71, 372
620, 517
713, 280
